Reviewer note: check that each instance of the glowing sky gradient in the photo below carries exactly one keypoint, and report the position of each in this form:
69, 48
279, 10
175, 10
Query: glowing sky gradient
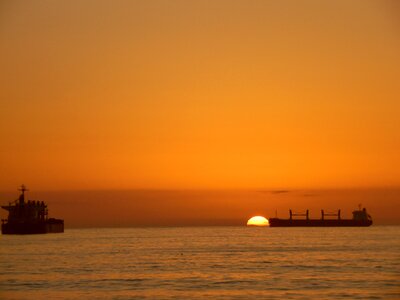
199, 94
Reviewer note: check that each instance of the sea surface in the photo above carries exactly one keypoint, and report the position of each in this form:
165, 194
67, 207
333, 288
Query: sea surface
203, 262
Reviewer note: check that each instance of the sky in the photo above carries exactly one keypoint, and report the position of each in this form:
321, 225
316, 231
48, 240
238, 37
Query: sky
200, 95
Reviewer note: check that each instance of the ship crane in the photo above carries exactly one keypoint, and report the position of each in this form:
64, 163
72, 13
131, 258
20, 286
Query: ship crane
330, 214
292, 214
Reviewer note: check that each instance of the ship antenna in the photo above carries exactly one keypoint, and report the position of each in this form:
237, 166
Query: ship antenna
23, 189
359, 206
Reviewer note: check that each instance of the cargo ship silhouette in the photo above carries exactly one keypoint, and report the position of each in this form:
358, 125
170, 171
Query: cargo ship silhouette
360, 219
29, 217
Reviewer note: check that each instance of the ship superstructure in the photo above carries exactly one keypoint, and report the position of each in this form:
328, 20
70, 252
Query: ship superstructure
29, 217
360, 219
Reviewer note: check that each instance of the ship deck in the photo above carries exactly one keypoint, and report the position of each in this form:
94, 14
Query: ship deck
276, 222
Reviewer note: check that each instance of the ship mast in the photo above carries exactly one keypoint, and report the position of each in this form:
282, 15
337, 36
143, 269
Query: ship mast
23, 189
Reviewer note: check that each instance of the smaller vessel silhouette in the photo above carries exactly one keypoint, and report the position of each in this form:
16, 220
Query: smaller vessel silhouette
29, 217
360, 219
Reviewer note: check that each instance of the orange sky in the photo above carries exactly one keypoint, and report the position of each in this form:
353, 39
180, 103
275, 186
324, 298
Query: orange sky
199, 94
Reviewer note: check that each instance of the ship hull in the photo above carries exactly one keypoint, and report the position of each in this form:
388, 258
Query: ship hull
49, 226
275, 222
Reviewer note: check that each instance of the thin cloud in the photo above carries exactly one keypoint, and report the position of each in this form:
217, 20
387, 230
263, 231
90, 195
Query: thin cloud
275, 192
280, 192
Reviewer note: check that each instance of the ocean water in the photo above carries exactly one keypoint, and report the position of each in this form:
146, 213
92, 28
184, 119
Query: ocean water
203, 262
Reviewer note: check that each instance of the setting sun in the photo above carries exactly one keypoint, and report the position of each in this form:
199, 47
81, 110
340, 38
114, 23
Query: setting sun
257, 221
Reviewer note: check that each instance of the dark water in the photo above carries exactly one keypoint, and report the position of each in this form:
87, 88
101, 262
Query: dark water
203, 262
